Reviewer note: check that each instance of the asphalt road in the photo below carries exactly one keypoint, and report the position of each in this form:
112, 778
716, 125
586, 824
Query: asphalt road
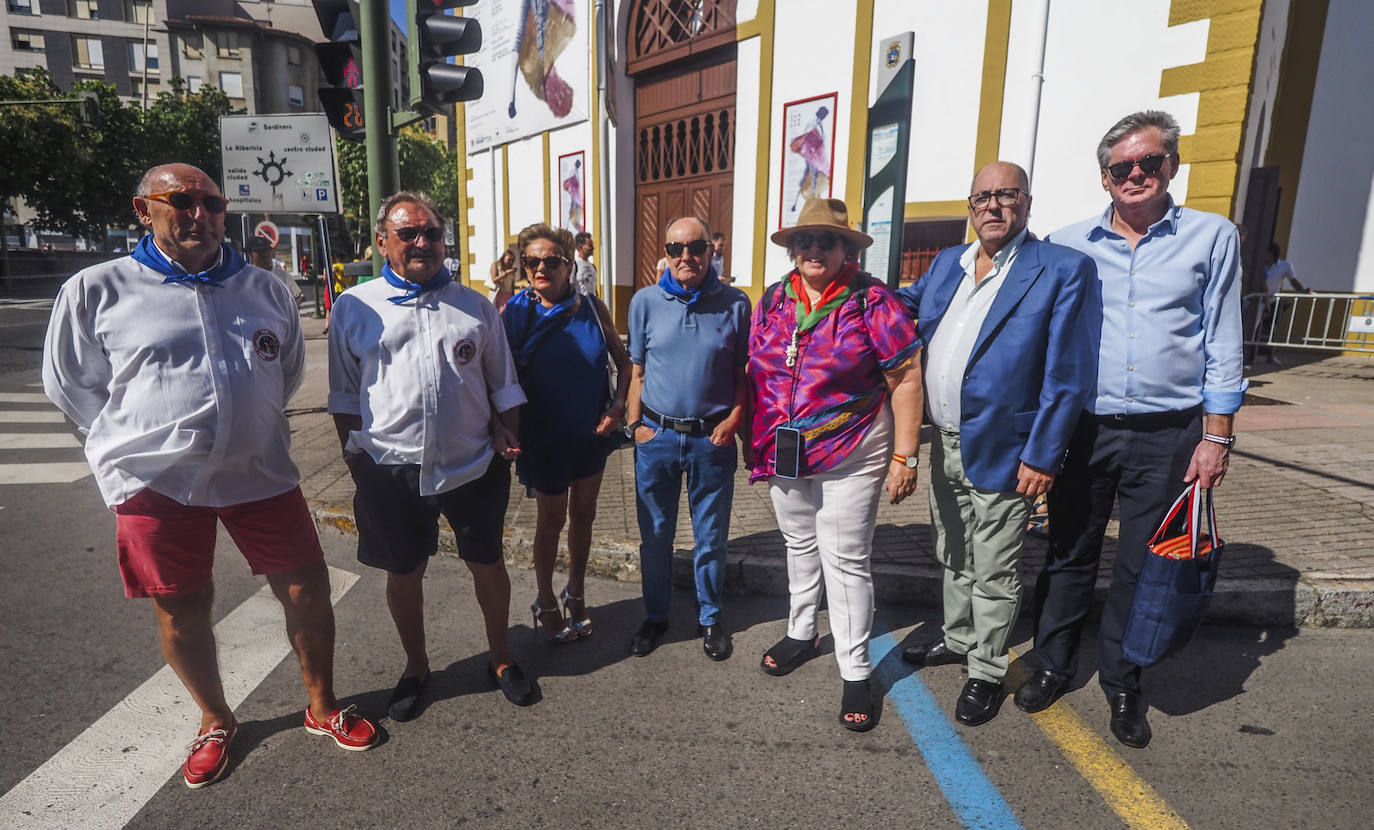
1253, 727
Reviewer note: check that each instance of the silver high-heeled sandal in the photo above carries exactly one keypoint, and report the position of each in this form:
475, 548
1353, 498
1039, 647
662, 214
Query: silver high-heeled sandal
567, 635
582, 627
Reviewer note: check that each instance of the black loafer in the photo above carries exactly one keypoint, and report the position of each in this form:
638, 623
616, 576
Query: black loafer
715, 641
405, 700
518, 687
933, 654
1040, 690
978, 702
1128, 719
647, 637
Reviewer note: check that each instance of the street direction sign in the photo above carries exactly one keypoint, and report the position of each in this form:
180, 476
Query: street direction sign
279, 163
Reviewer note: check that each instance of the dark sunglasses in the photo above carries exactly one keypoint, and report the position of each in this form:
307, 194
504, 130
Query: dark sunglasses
181, 200
532, 263
826, 241
1149, 165
1006, 197
696, 247
410, 234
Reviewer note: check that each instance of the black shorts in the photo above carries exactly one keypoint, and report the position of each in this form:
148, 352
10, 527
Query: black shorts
398, 529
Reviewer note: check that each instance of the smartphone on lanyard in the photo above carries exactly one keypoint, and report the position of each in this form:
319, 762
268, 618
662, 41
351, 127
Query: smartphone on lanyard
787, 443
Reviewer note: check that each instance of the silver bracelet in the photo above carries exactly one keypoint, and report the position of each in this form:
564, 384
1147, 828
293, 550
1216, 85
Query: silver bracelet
1226, 441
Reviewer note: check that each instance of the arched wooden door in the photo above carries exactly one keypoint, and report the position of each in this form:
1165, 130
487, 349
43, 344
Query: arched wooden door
683, 59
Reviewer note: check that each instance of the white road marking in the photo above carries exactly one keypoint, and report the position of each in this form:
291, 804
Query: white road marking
105, 776
16, 417
24, 397
37, 440
51, 472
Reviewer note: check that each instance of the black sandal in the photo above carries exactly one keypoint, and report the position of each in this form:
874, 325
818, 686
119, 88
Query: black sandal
788, 654
857, 701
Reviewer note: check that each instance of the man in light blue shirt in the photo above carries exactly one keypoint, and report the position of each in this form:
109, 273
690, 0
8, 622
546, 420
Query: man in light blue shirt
689, 342
1168, 386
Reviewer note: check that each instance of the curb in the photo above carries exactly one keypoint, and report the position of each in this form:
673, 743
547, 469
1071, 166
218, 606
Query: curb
1310, 601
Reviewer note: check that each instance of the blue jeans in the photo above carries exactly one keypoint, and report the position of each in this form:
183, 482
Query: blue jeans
659, 466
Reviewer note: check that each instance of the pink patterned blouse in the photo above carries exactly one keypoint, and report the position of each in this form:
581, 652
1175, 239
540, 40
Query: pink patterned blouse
837, 387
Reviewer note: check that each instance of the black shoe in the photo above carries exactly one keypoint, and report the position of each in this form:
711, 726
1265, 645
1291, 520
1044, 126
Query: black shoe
715, 641
646, 638
933, 654
1128, 719
1040, 690
518, 687
405, 700
978, 702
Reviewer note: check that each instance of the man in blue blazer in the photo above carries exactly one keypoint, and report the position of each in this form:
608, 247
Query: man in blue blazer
1011, 326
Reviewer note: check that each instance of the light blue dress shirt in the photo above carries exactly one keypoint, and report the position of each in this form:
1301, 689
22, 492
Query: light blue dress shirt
1171, 330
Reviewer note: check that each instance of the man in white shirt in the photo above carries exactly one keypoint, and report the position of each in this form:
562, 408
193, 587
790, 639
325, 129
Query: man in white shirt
260, 253
584, 272
176, 362
425, 398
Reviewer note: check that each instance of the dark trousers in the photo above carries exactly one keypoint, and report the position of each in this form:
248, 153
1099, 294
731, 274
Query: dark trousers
1140, 460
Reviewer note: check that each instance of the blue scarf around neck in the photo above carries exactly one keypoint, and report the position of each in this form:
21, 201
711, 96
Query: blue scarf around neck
414, 289
146, 253
528, 322
684, 295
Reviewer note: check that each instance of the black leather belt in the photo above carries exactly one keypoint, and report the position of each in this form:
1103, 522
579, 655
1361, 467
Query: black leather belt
688, 426
1147, 420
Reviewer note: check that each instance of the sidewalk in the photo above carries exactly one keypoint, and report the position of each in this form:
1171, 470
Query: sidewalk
1296, 511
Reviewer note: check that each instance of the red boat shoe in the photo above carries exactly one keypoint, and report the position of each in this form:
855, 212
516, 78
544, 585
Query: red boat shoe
208, 757
349, 730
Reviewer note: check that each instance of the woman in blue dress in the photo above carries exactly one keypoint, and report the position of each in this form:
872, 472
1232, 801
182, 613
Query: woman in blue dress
562, 342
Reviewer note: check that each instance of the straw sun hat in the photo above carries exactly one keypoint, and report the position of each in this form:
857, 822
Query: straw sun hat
821, 216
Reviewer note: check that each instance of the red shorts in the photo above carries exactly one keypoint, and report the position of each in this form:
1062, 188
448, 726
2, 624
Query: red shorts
167, 549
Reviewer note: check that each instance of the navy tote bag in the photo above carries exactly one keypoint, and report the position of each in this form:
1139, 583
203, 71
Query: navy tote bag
1176, 580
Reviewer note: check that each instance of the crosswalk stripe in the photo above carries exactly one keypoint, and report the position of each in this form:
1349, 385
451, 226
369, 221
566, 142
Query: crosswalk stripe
23, 397
19, 417
109, 772
37, 440
52, 472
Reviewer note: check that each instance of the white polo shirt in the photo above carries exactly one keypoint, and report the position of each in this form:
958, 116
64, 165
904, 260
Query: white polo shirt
948, 352
179, 388
424, 375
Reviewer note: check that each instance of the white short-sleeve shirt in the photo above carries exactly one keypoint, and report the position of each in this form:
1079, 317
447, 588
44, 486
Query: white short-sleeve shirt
425, 377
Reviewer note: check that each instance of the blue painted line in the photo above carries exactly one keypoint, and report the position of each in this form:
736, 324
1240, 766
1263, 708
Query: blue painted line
976, 801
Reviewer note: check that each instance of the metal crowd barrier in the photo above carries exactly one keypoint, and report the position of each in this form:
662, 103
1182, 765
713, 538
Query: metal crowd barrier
1332, 322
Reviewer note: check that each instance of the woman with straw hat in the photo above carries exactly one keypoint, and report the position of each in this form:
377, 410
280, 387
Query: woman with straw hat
837, 412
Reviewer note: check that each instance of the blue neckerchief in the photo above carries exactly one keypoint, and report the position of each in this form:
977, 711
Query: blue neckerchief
414, 289
146, 253
683, 295
528, 322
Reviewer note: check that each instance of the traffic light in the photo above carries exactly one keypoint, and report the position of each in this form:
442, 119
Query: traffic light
89, 108
433, 37
341, 60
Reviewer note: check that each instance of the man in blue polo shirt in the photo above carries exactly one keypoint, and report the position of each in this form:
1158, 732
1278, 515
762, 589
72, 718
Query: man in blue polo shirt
689, 341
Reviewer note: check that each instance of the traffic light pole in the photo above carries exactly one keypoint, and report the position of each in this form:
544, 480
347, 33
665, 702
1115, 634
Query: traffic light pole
383, 166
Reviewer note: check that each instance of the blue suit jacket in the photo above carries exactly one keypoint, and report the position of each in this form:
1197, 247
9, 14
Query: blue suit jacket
1034, 366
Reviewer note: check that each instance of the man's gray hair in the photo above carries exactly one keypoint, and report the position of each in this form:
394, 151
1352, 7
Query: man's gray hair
1135, 122
390, 202
705, 228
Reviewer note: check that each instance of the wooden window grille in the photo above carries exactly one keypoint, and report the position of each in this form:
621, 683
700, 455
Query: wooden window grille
664, 30
694, 145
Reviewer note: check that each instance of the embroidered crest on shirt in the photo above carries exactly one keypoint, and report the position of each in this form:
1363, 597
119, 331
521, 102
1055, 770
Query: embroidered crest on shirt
266, 344
464, 352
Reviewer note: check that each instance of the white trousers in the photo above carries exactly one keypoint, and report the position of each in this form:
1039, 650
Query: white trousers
827, 521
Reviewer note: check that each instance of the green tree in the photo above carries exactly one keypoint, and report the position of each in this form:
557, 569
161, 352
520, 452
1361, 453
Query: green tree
426, 165
184, 126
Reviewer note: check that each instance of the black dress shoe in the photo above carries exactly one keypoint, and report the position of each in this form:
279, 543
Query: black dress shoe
405, 700
715, 641
933, 654
647, 637
518, 687
1128, 719
1040, 690
978, 702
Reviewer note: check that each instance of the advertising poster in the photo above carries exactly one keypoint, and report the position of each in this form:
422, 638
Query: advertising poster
535, 62
808, 152
278, 163
572, 203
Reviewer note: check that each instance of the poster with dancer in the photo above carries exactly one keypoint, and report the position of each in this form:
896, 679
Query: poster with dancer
535, 62
572, 214
808, 153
